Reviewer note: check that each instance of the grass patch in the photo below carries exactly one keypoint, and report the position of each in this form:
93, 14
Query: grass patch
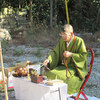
11, 65
18, 52
97, 54
4, 44
38, 53
43, 36
91, 85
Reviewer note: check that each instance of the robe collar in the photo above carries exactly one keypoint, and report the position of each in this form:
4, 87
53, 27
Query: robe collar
71, 44
68, 43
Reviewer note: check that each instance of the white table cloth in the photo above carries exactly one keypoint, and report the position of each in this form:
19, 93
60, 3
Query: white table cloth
27, 90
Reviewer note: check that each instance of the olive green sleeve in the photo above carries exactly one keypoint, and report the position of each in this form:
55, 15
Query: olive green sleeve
80, 59
54, 57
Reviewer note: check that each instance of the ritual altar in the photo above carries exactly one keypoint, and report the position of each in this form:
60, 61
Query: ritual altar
27, 90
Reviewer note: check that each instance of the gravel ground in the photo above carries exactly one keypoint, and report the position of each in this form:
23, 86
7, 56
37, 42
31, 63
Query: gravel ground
22, 53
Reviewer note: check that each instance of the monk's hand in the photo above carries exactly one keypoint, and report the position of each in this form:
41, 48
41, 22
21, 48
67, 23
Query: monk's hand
67, 54
46, 62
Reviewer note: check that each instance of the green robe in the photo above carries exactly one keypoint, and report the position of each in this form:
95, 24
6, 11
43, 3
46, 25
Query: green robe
77, 64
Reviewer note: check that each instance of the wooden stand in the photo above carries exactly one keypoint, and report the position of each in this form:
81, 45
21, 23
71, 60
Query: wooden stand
3, 74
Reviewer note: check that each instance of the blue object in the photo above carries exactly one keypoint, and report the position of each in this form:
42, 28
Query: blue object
89, 97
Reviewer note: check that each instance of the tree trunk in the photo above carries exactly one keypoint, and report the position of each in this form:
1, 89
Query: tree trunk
55, 12
98, 15
51, 13
30, 15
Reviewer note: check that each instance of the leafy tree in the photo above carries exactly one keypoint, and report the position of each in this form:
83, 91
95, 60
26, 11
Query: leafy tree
83, 14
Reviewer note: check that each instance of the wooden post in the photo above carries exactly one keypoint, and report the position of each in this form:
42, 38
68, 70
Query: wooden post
3, 74
51, 13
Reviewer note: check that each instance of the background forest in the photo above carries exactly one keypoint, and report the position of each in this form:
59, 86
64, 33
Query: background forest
47, 16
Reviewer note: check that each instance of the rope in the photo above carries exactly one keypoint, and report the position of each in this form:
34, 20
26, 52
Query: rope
65, 60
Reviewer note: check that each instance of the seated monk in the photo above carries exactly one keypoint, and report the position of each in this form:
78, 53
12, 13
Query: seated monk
68, 60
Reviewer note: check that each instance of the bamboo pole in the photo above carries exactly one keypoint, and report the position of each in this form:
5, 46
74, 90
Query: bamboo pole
3, 74
67, 11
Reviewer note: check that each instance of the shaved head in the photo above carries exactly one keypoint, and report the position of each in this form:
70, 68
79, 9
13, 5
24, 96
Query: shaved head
68, 28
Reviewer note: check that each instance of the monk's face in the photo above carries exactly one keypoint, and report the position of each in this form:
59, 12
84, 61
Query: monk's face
66, 36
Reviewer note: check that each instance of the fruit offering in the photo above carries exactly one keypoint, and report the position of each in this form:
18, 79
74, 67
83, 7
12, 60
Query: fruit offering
20, 72
34, 72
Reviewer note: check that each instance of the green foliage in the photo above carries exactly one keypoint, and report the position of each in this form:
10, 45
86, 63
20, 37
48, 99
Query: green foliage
82, 13
91, 85
18, 52
4, 45
97, 54
43, 7
38, 53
